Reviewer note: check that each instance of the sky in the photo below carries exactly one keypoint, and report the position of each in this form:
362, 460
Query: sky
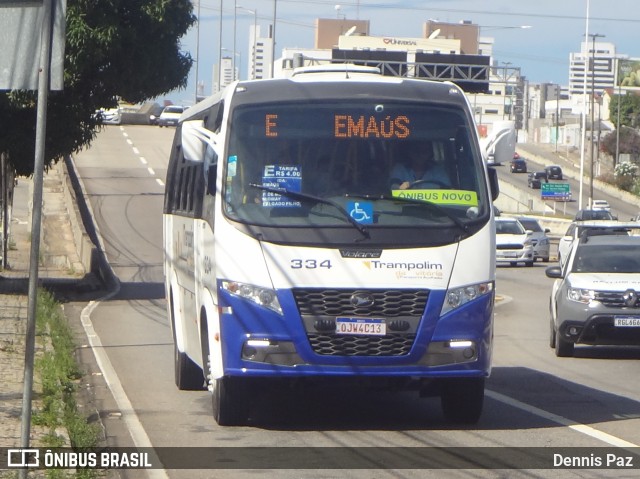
557, 27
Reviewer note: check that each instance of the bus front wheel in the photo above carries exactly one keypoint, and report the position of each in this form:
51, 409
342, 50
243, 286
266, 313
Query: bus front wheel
462, 399
188, 375
230, 403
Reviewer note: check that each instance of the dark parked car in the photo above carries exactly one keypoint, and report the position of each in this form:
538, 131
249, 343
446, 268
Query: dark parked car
518, 165
535, 179
554, 172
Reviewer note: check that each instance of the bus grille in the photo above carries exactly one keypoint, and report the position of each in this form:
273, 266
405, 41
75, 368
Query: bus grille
403, 306
334, 345
337, 302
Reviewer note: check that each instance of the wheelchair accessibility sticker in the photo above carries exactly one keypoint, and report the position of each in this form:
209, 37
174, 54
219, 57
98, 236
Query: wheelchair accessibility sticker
361, 211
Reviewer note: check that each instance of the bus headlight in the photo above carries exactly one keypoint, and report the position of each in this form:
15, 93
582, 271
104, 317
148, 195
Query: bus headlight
456, 297
263, 296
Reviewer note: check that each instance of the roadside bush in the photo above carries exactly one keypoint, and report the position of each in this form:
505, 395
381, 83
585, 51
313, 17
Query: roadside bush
59, 373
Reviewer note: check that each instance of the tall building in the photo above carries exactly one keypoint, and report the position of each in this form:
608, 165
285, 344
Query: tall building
260, 57
597, 64
328, 30
223, 74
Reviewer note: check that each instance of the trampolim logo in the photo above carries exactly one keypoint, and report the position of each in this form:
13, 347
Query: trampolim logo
407, 269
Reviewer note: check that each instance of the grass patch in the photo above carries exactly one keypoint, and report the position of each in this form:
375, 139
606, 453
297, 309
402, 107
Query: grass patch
59, 375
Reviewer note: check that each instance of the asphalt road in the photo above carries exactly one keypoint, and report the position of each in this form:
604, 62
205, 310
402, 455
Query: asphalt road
533, 398
619, 206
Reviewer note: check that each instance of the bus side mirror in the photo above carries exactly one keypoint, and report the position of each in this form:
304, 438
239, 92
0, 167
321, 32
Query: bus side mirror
493, 183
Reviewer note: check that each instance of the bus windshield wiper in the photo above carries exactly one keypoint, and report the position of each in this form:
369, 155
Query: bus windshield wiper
307, 197
433, 206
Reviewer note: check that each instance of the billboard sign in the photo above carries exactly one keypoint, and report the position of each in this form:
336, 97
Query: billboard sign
21, 24
628, 73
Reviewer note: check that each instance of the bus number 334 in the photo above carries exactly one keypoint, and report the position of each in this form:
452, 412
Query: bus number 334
310, 264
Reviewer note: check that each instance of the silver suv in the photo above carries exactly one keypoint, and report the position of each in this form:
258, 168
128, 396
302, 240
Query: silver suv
595, 298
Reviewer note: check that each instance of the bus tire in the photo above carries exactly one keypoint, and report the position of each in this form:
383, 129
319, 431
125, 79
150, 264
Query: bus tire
188, 375
462, 399
230, 404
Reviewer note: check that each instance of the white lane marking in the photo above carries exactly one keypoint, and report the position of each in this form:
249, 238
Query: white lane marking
131, 419
581, 428
142, 159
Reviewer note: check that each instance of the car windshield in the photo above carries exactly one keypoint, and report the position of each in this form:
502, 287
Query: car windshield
595, 215
531, 225
509, 228
173, 109
293, 165
596, 259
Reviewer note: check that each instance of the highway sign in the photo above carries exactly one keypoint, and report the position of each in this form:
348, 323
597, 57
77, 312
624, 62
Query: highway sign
556, 191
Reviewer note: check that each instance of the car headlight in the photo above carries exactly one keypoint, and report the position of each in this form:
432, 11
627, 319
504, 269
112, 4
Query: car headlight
257, 294
456, 297
581, 295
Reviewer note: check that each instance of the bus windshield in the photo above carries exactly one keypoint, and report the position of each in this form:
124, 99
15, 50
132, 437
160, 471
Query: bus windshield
386, 165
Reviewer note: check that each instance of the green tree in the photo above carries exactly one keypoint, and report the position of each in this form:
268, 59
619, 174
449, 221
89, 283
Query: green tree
629, 143
629, 110
128, 49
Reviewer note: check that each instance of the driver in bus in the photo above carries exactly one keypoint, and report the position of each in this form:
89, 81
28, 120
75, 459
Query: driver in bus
419, 169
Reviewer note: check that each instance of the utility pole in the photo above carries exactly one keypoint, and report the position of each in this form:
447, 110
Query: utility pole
593, 94
557, 116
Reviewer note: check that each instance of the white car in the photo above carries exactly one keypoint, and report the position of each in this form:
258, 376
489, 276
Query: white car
577, 228
538, 238
513, 242
110, 116
600, 205
170, 115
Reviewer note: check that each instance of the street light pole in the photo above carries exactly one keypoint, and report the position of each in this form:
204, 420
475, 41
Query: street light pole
593, 94
233, 58
619, 81
504, 99
197, 50
273, 40
220, 49
255, 26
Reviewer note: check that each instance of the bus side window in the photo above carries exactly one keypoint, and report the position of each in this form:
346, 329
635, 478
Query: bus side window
210, 173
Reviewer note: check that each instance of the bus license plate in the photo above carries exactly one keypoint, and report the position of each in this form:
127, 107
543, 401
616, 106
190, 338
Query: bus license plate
627, 321
363, 326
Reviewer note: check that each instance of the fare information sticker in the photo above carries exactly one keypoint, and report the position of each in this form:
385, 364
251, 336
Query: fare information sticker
361, 326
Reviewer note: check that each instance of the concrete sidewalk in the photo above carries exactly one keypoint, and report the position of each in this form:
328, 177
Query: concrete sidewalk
61, 271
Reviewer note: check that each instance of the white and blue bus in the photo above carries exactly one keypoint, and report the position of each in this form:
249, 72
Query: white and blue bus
290, 253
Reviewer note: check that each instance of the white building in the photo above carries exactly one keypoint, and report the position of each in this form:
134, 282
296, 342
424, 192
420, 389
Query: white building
223, 74
260, 61
599, 75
